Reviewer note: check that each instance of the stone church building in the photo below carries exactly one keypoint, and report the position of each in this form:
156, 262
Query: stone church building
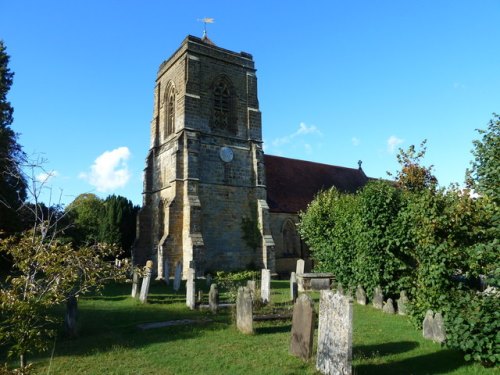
212, 199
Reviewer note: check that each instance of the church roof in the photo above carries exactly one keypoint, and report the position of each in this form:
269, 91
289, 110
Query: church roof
292, 184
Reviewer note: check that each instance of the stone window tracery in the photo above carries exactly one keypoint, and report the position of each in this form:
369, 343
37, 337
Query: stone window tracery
224, 106
170, 112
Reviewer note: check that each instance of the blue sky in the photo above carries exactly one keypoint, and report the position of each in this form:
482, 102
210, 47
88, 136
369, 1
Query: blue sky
339, 81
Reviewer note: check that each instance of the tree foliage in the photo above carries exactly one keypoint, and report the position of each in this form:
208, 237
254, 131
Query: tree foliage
12, 183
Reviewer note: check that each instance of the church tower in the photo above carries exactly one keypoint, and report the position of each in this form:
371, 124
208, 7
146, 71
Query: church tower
204, 197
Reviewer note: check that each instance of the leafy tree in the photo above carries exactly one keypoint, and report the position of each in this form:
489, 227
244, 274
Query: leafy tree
85, 213
12, 183
118, 222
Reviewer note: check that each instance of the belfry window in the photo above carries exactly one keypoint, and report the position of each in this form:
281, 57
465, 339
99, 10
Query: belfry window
222, 105
170, 112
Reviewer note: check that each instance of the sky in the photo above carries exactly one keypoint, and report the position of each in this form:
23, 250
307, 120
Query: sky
338, 81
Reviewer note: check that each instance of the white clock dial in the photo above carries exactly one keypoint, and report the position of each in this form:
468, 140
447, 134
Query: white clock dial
226, 154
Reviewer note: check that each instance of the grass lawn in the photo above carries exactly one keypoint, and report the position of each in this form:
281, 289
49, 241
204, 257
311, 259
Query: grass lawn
111, 343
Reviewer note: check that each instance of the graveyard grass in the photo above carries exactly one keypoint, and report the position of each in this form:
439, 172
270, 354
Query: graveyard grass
110, 342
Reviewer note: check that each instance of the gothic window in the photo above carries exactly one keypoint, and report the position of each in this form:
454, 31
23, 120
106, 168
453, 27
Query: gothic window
170, 111
223, 111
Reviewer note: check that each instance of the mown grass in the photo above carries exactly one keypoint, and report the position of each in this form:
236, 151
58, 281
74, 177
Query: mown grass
110, 342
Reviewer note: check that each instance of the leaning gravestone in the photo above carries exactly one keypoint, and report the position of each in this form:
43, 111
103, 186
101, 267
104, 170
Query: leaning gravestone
299, 270
360, 295
146, 281
389, 307
213, 298
135, 283
293, 287
439, 329
190, 289
334, 334
428, 325
303, 322
402, 303
265, 285
178, 276
244, 310
378, 298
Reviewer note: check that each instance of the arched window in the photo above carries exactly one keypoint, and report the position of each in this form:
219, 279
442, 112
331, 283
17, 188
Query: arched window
224, 106
170, 111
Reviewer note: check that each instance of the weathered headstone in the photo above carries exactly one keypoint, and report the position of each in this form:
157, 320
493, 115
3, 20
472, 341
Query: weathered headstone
428, 325
190, 289
378, 298
360, 295
320, 284
148, 270
70, 316
334, 334
135, 283
293, 287
402, 303
439, 329
303, 323
213, 298
166, 274
251, 286
178, 276
199, 297
244, 310
299, 270
389, 307
265, 285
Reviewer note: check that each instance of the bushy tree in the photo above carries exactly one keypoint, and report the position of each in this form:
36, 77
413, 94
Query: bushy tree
12, 183
85, 214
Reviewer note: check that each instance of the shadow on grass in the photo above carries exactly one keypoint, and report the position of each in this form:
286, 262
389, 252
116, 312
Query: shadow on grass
441, 362
273, 329
384, 349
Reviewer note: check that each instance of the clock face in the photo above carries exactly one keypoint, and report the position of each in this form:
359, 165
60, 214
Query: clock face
226, 154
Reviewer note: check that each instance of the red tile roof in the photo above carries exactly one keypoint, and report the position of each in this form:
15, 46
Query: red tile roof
292, 184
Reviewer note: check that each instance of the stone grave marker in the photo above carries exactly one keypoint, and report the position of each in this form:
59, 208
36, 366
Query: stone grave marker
334, 334
389, 307
251, 285
199, 297
178, 276
166, 271
190, 289
303, 323
402, 303
293, 287
135, 283
439, 329
244, 310
299, 270
213, 298
378, 298
320, 284
360, 295
146, 281
265, 285
428, 325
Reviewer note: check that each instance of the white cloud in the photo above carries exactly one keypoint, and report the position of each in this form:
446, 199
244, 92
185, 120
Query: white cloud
301, 131
355, 141
109, 171
393, 142
44, 177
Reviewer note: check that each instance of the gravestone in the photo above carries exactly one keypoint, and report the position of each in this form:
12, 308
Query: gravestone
213, 298
439, 329
299, 270
251, 286
378, 298
265, 285
70, 316
303, 323
402, 303
389, 307
190, 289
135, 283
244, 310
178, 276
360, 295
293, 287
166, 274
334, 334
320, 284
199, 299
146, 281
428, 325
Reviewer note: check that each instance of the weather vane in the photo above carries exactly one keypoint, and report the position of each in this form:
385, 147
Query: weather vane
205, 21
